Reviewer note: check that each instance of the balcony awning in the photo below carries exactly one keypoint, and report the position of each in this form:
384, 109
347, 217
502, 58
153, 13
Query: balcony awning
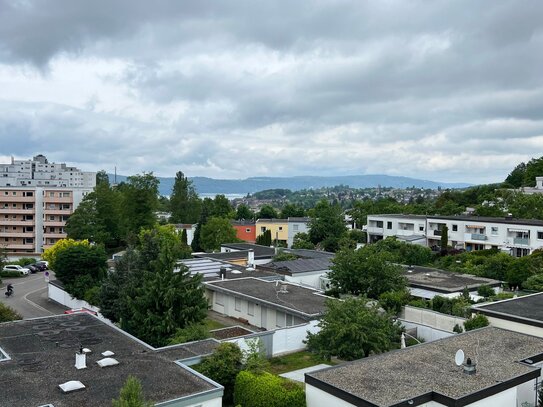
518, 230
475, 227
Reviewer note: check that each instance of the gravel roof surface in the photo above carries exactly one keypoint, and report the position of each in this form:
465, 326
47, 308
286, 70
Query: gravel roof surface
302, 265
259, 250
42, 355
297, 300
403, 374
530, 306
427, 277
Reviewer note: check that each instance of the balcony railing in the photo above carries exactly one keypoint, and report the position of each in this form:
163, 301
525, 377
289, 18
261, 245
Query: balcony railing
374, 229
437, 232
478, 236
523, 241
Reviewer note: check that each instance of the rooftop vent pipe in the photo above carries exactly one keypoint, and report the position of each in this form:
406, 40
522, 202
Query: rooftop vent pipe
470, 368
80, 359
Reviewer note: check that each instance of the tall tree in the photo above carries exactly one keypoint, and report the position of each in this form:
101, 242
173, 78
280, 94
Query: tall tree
216, 232
243, 212
292, 211
353, 329
222, 207
267, 212
327, 222
444, 237
361, 272
184, 202
131, 395
140, 201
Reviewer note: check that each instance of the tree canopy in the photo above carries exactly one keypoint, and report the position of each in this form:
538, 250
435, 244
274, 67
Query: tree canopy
327, 223
185, 206
353, 329
216, 232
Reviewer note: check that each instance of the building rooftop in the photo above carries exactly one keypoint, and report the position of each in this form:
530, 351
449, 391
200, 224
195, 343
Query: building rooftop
444, 281
42, 356
428, 372
210, 269
310, 254
243, 222
273, 220
305, 302
298, 219
513, 221
527, 309
400, 216
233, 255
259, 250
302, 265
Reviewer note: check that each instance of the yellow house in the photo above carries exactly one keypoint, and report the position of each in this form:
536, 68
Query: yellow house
278, 228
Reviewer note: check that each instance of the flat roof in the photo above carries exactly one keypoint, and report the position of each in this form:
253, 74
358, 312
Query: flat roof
305, 302
42, 353
210, 269
400, 216
527, 309
444, 281
302, 265
259, 250
427, 372
310, 254
467, 218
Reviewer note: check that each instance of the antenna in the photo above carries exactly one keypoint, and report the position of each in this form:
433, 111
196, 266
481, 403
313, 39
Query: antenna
459, 357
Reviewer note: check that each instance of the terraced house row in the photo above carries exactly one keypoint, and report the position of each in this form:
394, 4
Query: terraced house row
282, 230
36, 198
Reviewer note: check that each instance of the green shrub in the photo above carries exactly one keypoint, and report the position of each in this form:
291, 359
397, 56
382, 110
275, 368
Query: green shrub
502, 296
458, 329
393, 301
485, 291
534, 283
223, 366
92, 295
10, 274
192, 332
477, 321
8, 314
25, 261
267, 390
419, 303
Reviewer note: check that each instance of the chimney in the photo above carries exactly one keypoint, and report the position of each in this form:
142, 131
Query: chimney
80, 359
222, 272
470, 368
251, 258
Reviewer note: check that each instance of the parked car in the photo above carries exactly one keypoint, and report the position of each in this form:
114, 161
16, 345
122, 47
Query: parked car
44, 263
14, 267
39, 266
33, 269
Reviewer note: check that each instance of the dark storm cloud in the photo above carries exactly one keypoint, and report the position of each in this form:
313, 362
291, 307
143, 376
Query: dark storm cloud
367, 83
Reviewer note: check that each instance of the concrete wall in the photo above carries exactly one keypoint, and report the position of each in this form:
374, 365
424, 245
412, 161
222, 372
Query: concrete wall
425, 332
62, 297
430, 318
315, 397
288, 340
310, 279
516, 326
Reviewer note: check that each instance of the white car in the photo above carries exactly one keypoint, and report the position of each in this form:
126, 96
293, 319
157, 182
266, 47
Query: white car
14, 267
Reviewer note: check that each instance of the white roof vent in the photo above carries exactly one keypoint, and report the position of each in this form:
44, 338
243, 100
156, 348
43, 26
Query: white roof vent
106, 362
107, 353
72, 385
86, 350
46, 405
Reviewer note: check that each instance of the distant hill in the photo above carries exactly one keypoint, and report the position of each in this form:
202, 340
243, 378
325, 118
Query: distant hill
206, 185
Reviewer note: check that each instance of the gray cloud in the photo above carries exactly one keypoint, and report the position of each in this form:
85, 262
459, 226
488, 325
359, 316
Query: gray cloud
440, 90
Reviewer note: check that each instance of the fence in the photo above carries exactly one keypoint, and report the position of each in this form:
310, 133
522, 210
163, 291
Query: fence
57, 294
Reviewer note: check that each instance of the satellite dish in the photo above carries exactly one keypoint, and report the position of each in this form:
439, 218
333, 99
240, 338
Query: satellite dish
459, 357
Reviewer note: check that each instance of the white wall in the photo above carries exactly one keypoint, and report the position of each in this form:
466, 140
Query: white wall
310, 279
62, 297
516, 326
507, 398
431, 318
287, 340
315, 397
425, 332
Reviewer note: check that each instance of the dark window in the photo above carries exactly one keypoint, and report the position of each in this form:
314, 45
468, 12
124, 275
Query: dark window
455, 228
540, 235
389, 225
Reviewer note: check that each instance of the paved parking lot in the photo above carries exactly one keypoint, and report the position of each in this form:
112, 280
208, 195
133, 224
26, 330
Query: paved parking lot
30, 296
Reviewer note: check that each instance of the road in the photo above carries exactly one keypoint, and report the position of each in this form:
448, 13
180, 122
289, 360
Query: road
30, 296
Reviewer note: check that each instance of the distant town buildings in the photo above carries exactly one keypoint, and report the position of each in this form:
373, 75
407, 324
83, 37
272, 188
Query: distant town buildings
36, 198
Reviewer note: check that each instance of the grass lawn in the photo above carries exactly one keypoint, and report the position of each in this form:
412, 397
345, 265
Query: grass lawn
212, 324
295, 361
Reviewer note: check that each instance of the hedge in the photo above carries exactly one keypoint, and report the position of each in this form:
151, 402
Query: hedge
10, 274
267, 390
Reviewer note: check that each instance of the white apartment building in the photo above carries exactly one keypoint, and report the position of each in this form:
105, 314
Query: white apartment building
36, 198
518, 237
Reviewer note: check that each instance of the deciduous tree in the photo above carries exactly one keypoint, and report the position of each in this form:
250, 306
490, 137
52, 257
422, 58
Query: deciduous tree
216, 232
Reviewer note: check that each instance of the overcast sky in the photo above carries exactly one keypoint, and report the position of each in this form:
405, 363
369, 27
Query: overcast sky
441, 90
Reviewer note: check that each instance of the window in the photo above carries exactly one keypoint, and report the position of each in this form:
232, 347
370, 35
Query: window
280, 227
247, 230
263, 229
51, 194
540, 235
219, 299
379, 223
289, 320
294, 227
421, 228
455, 228
250, 308
494, 230
389, 225
238, 304
279, 319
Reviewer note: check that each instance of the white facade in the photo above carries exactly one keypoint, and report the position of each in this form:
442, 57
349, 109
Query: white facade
295, 226
515, 236
311, 279
254, 312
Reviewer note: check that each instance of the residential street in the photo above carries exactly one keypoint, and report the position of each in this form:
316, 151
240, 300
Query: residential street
30, 296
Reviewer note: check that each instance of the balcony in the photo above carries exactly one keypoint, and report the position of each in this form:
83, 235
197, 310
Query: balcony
405, 232
475, 236
57, 211
16, 222
54, 223
437, 232
17, 234
56, 235
16, 199
374, 229
17, 211
56, 199
20, 246
521, 241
